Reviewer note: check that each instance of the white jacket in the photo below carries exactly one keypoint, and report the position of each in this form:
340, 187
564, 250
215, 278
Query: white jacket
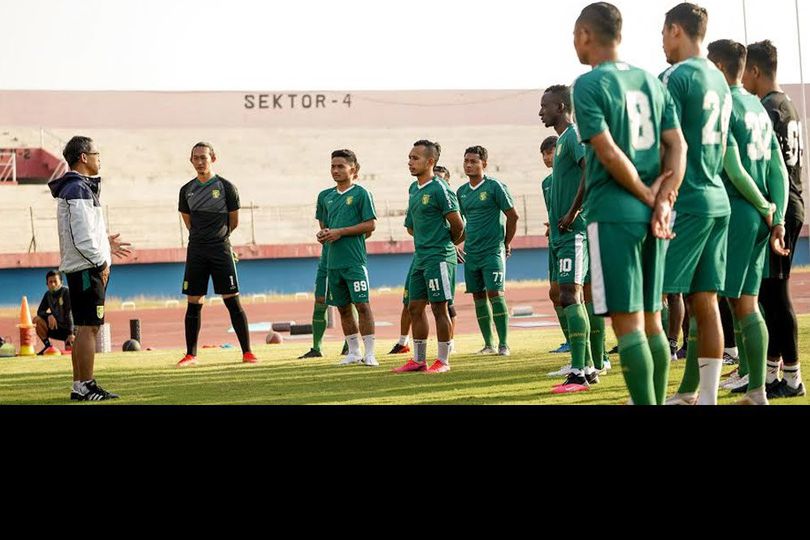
83, 240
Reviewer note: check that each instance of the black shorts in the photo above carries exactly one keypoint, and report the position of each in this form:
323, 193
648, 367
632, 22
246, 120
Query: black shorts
60, 334
87, 292
214, 260
778, 266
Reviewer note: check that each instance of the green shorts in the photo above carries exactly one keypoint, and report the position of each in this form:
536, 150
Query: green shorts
434, 283
553, 265
407, 284
626, 267
748, 241
485, 272
571, 254
320, 282
696, 257
347, 285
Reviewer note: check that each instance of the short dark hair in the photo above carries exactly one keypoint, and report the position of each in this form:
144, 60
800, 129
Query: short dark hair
434, 148
763, 55
604, 19
548, 143
563, 92
348, 155
75, 147
729, 53
480, 150
438, 169
203, 144
52, 273
691, 17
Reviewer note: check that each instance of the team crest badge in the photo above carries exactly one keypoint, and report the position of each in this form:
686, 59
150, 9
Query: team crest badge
483, 196
349, 200
100, 312
61, 301
425, 199
215, 193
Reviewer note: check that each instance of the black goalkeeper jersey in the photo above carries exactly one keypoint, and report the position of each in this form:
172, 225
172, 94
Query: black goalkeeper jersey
208, 205
788, 129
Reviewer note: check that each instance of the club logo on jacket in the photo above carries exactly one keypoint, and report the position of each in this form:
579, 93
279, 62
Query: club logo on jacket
425, 199
349, 200
483, 196
215, 193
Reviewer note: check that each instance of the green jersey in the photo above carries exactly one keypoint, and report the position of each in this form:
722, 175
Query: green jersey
546, 187
482, 208
703, 101
320, 215
635, 107
751, 131
567, 176
347, 209
427, 207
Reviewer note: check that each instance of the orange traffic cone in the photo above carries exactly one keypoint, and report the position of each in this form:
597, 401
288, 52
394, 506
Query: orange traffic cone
27, 330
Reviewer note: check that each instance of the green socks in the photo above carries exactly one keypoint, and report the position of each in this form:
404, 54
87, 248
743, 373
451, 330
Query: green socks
318, 325
484, 316
563, 322
742, 355
578, 328
659, 349
691, 374
637, 367
597, 337
755, 344
500, 314
665, 320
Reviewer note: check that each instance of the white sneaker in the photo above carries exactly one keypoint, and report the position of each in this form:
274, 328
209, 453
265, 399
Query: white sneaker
351, 359
682, 399
487, 350
732, 380
605, 367
370, 361
562, 372
503, 350
740, 381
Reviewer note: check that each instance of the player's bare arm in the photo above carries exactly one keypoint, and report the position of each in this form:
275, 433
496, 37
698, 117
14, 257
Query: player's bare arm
365, 228
456, 227
512, 218
233, 220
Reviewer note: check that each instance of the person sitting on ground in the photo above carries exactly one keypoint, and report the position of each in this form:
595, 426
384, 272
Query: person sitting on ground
54, 319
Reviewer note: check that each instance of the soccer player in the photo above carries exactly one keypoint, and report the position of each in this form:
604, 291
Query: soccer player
209, 206
759, 78
547, 148
350, 219
86, 255
625, 117
434, 221
54, 319
401, 347
569, 242
490, 225
753, 168
696, 257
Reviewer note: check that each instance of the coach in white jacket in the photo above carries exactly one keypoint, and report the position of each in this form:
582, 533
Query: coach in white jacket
86, 256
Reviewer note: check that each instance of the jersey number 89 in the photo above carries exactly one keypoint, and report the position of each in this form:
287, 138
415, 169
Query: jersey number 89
360, 286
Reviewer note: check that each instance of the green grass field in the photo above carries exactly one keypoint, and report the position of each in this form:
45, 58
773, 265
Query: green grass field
150, 378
